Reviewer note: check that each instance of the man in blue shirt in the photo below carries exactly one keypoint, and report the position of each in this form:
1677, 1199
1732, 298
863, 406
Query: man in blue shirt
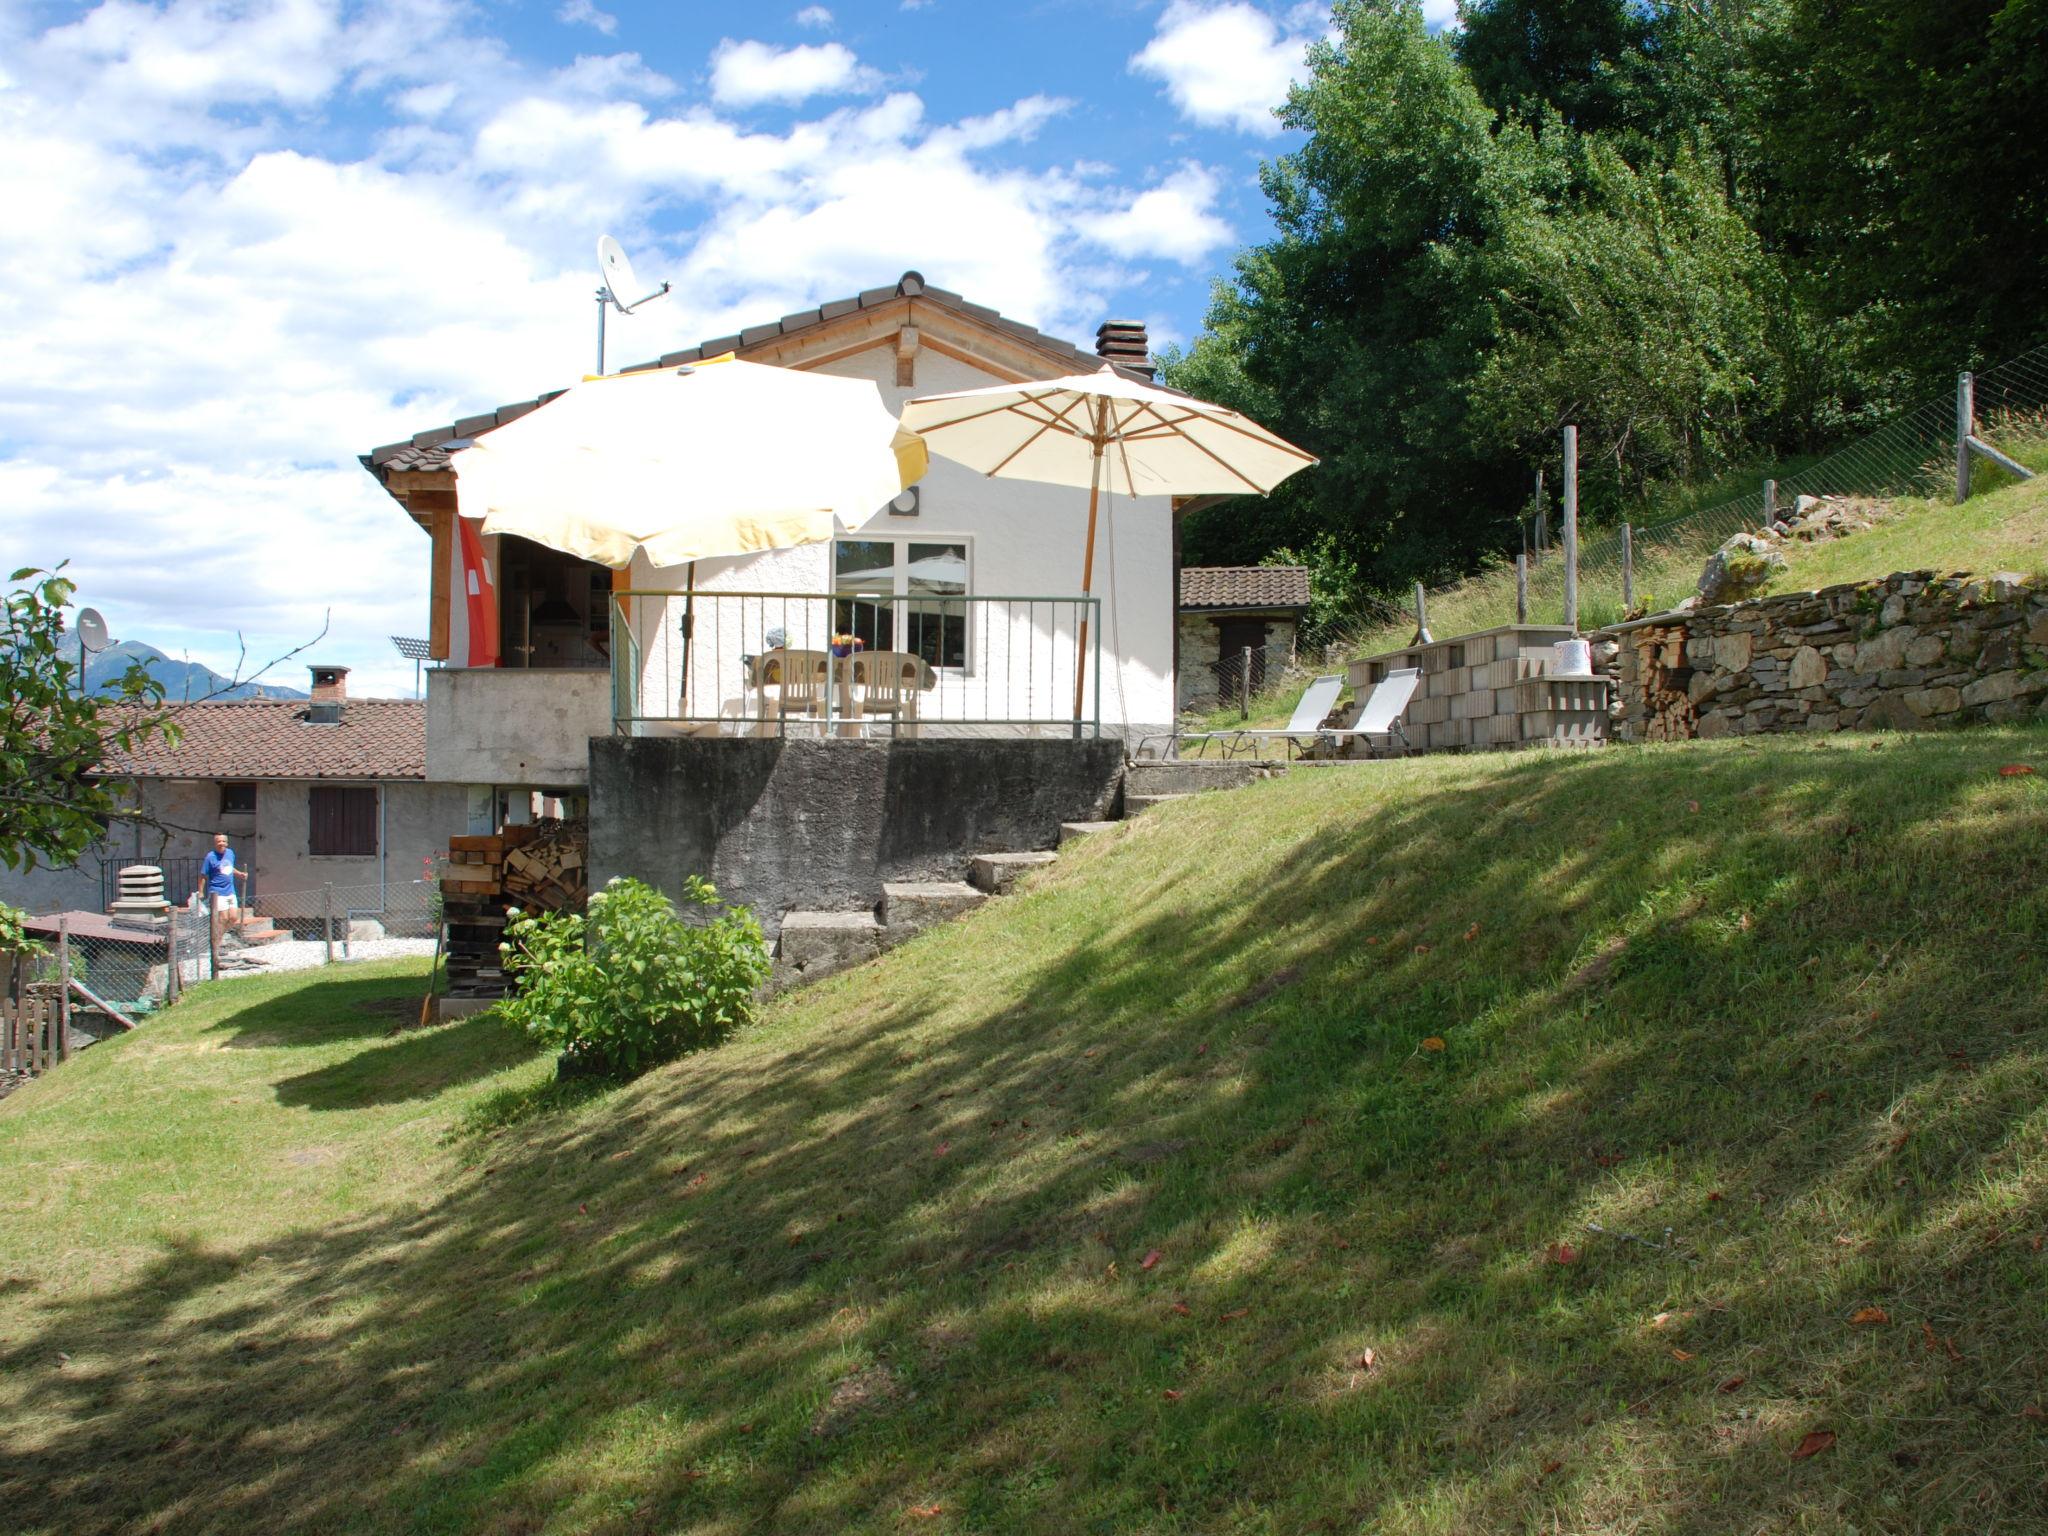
217, 876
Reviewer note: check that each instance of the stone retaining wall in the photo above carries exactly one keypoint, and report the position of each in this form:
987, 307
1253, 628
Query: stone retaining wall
1911, 651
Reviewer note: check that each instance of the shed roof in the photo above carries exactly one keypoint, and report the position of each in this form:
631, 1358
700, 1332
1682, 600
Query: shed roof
276, 739
1244, 586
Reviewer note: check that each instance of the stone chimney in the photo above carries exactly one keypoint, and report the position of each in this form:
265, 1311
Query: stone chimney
1123, 342
330, 694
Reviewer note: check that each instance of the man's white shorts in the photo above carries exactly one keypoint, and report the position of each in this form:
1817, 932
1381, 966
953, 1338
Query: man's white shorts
222, 903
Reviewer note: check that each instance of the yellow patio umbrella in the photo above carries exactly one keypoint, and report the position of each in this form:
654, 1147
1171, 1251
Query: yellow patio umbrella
1103, 428
682, 464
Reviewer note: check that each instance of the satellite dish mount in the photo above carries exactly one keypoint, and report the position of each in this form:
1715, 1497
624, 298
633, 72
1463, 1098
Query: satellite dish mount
619, 281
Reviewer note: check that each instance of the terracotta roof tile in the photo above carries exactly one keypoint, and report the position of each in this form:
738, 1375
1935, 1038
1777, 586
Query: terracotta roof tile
1244, 586
274, 739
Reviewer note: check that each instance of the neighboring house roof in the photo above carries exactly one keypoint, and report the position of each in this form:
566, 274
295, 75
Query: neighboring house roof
429, 451
1244, 586
274, 739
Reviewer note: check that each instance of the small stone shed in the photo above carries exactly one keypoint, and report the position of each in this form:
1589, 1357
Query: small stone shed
1228, 609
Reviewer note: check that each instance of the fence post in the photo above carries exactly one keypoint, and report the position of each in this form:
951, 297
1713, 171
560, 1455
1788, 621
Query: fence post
1628, 571
212, 937
1522, 588
327, 921
1966, 423
1770, 502
1422, 635
1542, 516
171, 962
63, 989
1571, 529
1244, 687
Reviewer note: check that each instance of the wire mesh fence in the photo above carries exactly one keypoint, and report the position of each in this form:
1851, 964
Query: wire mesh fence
1657, 564
1241, 678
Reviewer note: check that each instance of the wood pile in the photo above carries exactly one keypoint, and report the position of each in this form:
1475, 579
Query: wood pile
1663, 708
537, 868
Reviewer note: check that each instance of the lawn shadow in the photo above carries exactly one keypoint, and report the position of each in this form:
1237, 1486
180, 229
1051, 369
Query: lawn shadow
643, 1314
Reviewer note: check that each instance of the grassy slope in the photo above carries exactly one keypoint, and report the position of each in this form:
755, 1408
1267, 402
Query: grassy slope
2003, 530
881, 1262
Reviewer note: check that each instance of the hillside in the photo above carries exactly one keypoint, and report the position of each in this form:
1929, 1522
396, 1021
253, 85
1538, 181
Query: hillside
1497, 1144
182, 681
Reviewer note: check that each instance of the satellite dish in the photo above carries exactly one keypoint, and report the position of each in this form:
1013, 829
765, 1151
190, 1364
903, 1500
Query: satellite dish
619, 281
92, 630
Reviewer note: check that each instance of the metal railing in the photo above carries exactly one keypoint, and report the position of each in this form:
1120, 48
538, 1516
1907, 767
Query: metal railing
855, 663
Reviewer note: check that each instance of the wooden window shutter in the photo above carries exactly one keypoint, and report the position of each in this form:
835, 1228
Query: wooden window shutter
343, 820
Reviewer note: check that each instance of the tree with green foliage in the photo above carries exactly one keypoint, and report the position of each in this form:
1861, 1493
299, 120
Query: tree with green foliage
1360, 328
54, 734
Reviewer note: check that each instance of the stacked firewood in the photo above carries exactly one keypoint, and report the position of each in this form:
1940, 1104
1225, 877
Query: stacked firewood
536, 868
1661, 708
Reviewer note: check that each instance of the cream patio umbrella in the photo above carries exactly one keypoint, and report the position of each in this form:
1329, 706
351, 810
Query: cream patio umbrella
1103, 428
717, 458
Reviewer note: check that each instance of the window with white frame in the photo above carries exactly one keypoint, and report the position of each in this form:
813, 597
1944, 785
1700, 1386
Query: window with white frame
918, 587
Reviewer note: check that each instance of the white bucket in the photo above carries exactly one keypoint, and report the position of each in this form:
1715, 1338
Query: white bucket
1574, 658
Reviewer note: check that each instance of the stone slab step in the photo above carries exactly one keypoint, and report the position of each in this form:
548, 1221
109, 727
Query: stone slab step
1134, 804
911, 906
815, 945
997, 873
259, 930
1071, 830
1186, 778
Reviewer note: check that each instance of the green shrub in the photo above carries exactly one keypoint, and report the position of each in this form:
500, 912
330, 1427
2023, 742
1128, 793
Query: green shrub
633, 983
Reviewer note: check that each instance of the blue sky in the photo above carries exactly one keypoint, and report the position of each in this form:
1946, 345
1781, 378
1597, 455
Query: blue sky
249, 239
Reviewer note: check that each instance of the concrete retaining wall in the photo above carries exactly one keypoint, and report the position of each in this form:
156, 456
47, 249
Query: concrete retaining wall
1910, 651
795, 824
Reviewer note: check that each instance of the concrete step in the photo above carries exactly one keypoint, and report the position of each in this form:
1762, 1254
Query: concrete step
1070, 830
814, 945
1187, 778
1133, 804
911, 906
997, 873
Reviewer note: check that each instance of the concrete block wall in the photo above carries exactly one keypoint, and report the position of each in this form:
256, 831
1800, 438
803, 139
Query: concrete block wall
1491, 690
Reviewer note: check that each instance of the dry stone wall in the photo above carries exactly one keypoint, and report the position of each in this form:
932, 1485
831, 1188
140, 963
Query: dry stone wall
1911, 651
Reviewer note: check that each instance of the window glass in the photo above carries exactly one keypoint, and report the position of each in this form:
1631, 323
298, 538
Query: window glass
238, 799
918, 577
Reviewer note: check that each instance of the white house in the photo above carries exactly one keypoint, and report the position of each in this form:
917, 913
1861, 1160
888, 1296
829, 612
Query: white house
980, 577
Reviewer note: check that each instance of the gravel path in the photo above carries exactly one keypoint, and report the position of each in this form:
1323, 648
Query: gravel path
305, 954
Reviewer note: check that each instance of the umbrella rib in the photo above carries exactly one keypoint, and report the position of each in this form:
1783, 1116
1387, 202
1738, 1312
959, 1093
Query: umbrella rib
1055, 424
1201, 447
1261, 436
994, 410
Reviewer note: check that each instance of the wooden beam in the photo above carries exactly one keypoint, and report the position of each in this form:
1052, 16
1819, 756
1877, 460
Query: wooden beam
439, 587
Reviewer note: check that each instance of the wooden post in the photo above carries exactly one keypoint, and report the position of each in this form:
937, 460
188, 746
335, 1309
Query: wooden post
327, 921
1422, 635
172, 980
1571, 529
1522, 588
1966, 425
1542, 516
1244, 686
63, 1051
212, 937
1628, 571
1770, 502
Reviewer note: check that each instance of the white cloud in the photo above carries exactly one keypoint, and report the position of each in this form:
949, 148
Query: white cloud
1174, 220
1223, 65
242, 307
745, 74
582, 13
1438, 14
814, 16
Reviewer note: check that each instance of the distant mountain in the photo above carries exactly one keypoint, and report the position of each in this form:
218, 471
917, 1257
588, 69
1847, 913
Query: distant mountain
181, 680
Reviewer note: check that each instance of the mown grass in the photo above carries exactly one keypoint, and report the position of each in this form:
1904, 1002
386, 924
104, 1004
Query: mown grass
1736, 1040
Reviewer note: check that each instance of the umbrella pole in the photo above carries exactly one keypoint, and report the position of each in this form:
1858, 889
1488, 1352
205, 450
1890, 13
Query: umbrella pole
1087, 582
689, 626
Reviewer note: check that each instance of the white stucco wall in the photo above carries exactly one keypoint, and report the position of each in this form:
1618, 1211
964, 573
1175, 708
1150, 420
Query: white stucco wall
1025, 540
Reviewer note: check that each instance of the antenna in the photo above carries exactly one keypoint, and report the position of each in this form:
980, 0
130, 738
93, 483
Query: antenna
617, 273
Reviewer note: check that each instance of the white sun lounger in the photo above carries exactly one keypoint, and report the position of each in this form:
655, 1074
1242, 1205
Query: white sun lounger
1379, 719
